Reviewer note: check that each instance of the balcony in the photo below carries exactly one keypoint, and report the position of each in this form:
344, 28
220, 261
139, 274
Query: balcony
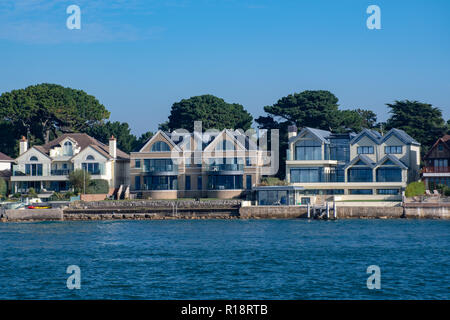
170, 169
436, 170
225, 168
61, 172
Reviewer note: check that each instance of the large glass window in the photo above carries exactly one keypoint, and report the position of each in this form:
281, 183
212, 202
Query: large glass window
308, 150
199, 183
34, 169
137, 183
305, 175
361, 191
365, 150
393, 149
389, 174
188, 183
440, 163
248, 182
91, 167
225, 182
273, 197
360, 175
160, 183
388, 191
338, 149
160, 146
158, 165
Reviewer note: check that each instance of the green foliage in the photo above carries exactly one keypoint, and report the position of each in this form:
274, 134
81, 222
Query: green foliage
120, 130
3, 188
98, 186
356, 120
214, 113
315, 109
79, 180
42, 111
421, 121
272, 181
32, 193
57, 196
415, 189
142, 140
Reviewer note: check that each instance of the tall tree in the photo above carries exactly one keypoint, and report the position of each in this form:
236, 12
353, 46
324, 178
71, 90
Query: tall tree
317, 109
120, 130
356, 120
142, 140
45, 109
214, 113
420, 120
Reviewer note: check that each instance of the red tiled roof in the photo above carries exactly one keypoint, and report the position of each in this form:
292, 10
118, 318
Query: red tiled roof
83, 140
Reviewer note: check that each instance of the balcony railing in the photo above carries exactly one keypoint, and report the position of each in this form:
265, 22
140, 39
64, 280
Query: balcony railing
157, 169
225, 167
61, 172
436, 170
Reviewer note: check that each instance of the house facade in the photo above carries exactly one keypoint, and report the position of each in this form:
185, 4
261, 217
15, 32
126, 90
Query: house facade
367, 163
222, 165
5, 168
436, 168
47, 167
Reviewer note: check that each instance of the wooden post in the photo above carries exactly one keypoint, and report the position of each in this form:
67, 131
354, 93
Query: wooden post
307, 210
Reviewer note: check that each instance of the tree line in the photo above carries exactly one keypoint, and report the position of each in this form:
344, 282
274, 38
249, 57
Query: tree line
44, 111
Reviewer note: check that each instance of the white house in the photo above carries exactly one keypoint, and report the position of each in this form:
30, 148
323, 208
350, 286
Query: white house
47, 167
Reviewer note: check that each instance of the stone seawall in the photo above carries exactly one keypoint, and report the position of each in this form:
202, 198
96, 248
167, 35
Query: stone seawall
32, 215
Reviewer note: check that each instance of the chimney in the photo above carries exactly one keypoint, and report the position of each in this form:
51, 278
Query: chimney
292, 131
113, 147
23, 145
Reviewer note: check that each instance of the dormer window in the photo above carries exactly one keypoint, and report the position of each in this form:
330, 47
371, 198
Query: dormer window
68, 149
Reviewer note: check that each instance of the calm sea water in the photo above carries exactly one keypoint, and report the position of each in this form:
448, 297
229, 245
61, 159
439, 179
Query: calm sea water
255, 259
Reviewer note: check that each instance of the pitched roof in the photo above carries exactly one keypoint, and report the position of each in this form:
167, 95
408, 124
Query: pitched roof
83, 141
4, 157
402, 135
395, 160
445, 140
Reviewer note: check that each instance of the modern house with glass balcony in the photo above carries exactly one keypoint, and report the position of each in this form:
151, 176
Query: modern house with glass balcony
223, 165
47, 167
367, 163
436, 168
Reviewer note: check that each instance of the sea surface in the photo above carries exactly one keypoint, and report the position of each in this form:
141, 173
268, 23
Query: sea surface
220, 259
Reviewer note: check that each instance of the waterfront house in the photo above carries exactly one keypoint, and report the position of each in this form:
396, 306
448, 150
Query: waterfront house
47, 167
365, 164
225, 165
5, 168
436, 168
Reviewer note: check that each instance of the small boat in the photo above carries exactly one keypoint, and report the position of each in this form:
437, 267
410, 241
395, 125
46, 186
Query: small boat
39, 207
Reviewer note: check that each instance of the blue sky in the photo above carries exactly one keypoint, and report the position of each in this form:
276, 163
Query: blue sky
138, 57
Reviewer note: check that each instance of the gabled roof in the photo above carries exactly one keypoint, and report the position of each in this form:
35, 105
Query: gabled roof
83, 141
5, 158
322, 135
392, 158
402, 135
445, 140
163, 134
230, 134
362, 158
371, 134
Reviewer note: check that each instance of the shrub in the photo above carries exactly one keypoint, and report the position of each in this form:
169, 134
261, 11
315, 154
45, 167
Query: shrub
32, 193
447, 192
79, 179
272, 181
98, 186
415, 189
